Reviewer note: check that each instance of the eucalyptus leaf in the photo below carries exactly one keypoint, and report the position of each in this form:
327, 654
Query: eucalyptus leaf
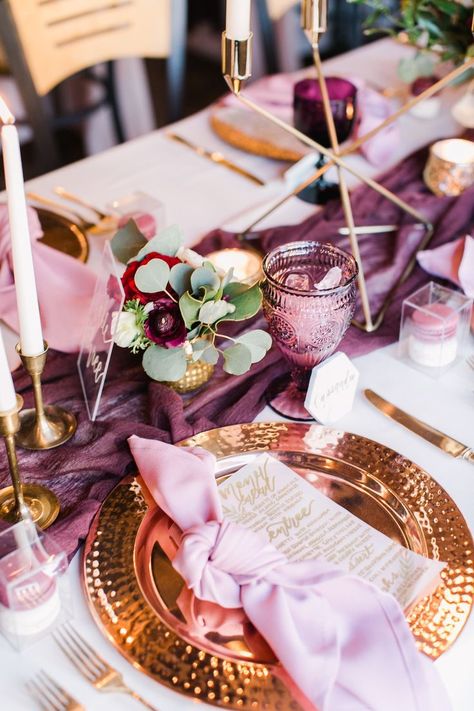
210, 355
152, 277
167, 242
194, 332
180, 278
407, 70
164, 363
213, 311
189, 307
203, 349
127, 242
237, 359
205, 277
234, 288
199, 345
258, 342
247, 303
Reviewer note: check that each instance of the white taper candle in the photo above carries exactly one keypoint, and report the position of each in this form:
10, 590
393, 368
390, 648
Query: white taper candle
7, 391
238, 19
31, 337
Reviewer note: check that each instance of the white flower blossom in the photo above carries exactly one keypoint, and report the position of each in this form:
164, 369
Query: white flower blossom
126, 328
189, 256
195, 260
212, 311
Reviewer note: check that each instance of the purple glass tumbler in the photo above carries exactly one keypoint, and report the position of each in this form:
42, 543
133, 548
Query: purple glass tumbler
306, 323
309, 118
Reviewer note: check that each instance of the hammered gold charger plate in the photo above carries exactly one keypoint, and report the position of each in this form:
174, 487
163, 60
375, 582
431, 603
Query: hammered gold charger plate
253, 133
201, 651
59, 232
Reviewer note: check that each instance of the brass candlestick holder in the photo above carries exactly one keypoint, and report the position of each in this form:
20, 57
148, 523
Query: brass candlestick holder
44, 426
23, 501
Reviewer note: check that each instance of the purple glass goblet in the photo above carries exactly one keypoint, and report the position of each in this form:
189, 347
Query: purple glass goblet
306, 323
309, 118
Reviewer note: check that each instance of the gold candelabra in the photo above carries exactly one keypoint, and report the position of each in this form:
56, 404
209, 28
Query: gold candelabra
236, 56
23, 501
44, 426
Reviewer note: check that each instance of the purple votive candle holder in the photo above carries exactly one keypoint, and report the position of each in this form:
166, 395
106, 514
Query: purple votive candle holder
308, 108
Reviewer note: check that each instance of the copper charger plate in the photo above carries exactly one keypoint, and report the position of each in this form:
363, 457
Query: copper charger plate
59, 232
198, 649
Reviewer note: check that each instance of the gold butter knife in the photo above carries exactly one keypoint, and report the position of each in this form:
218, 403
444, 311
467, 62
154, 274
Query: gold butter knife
439, 439
215, 156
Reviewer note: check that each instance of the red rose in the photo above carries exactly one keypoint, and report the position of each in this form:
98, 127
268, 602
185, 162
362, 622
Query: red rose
128, 278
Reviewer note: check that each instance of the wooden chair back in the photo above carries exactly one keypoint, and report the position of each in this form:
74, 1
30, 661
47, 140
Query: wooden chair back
47, 41
62, 37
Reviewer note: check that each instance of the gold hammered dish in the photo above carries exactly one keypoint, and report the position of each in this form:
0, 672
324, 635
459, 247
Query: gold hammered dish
141, 604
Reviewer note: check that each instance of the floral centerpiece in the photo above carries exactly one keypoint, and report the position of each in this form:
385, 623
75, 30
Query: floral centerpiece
175, 305
441, 26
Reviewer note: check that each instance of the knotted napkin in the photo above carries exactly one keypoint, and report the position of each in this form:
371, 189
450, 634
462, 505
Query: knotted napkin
344, 643
64, 286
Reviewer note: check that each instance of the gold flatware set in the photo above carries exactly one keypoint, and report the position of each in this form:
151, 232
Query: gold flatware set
447, 444
51, 696
215, 157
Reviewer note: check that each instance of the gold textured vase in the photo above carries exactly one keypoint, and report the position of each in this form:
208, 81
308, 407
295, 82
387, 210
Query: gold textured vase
196, 375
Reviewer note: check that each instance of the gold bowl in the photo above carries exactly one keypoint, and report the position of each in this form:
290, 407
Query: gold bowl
196, 375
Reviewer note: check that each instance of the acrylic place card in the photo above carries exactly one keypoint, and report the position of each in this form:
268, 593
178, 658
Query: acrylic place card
98, 339
269, 498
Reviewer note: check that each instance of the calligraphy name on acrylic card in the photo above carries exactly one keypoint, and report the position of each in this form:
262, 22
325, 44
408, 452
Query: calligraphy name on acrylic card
98, 339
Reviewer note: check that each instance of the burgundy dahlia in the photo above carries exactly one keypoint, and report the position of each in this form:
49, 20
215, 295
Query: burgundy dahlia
128, 278
165, 325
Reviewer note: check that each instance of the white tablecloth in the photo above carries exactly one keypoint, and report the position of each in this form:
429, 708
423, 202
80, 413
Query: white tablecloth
199, 196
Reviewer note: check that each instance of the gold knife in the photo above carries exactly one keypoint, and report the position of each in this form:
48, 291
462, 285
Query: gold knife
447, 444
215, 156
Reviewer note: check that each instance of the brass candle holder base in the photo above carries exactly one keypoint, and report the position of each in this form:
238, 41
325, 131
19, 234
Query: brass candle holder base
42, 504
22, 501
42, 427
53, 428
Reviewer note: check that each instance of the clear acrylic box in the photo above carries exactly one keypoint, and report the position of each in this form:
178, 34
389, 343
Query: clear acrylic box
147, 211
34, 590
434, 328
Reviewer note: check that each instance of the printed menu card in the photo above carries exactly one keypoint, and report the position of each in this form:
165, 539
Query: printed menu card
271, 499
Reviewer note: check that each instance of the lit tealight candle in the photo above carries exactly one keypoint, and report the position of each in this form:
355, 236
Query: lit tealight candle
238, 19
245, 263
455, 150
31, 337
7, 391
450, 166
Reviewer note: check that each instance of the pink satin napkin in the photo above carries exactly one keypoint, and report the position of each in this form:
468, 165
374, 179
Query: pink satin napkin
64, 285
275, 93
453, 261
344, 643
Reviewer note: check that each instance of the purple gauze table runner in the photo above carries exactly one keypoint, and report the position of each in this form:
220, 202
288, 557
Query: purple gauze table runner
85, 470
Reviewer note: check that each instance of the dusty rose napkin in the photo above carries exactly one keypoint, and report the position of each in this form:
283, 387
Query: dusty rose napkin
453, 261
64, 285
275, 93
344, 643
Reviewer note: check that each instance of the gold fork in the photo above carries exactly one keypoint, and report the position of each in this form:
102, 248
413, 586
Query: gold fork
92, 666
50, 696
